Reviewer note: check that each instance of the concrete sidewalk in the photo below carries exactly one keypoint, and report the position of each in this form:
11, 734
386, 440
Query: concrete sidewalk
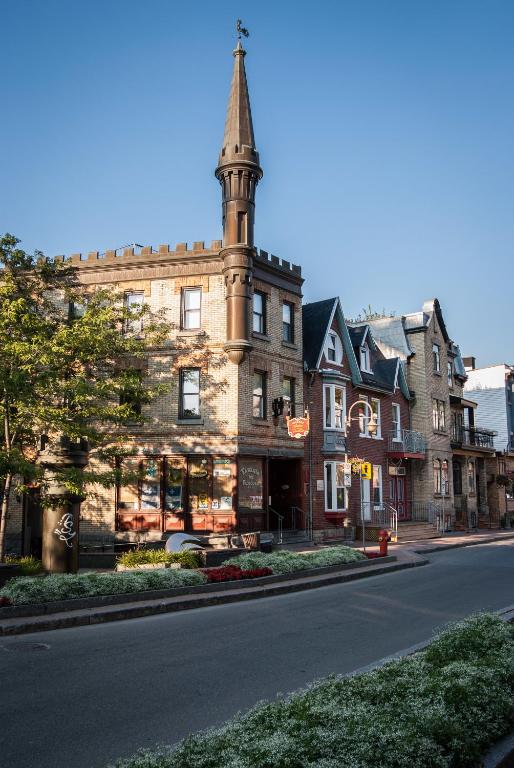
451, 540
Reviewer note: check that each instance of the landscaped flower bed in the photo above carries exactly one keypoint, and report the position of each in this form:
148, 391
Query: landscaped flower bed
234, 573
186, 559
57, 586
290, 562
441, 708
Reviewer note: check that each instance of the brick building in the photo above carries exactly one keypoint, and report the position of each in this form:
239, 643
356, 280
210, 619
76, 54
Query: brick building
211, 456
436, 376
344, 368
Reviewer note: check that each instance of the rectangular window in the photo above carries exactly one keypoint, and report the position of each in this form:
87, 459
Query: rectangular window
129, 394
259, 312
436, 358
375, 407
199, 481
438, 415
365, 358
363, 417
222, 483
259, 395
335, 492
397, 426
331, 348
189, 393
288, 393
174, 485
287, 322
334, 406
450, 374
377, 486
191, 308
133, 304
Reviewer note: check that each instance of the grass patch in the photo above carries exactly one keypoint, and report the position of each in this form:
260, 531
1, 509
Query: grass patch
441, 708
186, 558
64, 586
290, 562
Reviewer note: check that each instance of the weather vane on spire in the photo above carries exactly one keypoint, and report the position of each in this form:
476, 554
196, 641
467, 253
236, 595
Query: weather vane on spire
241, 30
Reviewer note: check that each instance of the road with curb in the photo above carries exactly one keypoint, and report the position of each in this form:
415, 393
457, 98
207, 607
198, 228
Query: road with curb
84, 696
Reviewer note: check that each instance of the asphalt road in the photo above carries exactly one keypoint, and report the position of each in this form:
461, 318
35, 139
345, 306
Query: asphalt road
82, 697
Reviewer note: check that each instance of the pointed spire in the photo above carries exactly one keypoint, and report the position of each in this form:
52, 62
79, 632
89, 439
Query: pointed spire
238, 141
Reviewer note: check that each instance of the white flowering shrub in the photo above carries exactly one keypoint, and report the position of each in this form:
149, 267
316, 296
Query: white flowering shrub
63, 586
289, 562
419, 712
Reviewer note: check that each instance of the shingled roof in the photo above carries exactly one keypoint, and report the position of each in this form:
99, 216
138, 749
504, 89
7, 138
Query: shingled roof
316, 317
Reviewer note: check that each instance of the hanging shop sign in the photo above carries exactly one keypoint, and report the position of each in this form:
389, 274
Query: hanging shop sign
298, 427
366, 470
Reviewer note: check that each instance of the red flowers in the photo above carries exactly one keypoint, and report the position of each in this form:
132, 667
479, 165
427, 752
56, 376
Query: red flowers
5, 601
234, 573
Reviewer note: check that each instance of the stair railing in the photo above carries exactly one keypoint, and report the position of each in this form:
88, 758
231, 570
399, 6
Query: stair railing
280, 520
308, 524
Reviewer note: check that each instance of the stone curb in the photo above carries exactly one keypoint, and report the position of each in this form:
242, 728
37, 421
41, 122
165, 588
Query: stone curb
102, 614
57, 606
457, 545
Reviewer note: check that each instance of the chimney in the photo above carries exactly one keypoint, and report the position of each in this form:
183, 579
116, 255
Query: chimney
470, 363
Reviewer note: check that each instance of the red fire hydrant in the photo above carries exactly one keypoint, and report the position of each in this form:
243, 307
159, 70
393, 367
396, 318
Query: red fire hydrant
383, 539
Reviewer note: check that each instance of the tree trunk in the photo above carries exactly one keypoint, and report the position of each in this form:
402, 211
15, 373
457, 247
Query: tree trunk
3, 514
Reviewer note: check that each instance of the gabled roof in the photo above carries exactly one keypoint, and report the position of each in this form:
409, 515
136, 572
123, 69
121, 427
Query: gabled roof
317, 320
389, 334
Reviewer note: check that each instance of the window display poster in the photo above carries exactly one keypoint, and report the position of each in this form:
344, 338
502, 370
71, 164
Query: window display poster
250, 483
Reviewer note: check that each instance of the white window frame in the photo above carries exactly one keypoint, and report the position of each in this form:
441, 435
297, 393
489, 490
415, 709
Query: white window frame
438, 415
436, 358
378, 434
136, 325
365, 359
450, 373
336, 348
331, 490
332, 405
396, 422
377, 483
186, 312
364, 419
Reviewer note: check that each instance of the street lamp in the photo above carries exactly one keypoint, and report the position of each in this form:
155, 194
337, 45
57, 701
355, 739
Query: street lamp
372, 430
372, 424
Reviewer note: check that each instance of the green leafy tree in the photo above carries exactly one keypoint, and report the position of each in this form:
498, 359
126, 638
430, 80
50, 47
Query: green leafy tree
71, 364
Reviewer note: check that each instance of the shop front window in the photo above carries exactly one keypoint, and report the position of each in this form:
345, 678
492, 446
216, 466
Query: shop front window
222, 484
174, 485
199, 482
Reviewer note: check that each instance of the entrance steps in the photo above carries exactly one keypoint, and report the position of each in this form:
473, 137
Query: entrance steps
415, 531
290, 539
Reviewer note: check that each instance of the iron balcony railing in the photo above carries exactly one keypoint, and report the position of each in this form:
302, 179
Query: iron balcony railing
477, 437
407, 441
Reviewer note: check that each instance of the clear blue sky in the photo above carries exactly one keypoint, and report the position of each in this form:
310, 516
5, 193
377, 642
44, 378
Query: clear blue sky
385, 128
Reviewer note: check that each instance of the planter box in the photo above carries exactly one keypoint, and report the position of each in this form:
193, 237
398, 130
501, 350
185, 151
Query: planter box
147, 567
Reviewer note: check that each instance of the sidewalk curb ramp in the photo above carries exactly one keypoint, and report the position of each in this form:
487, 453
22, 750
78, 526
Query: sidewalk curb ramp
25, 619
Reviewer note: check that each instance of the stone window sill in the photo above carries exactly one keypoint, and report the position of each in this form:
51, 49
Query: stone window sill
191, 422
289, 345
261, 336
260, 422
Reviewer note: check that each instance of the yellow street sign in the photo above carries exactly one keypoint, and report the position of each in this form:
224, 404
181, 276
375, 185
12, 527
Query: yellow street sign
366, 470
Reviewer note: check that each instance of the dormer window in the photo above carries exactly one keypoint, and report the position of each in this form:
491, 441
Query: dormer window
365, 358
334, 349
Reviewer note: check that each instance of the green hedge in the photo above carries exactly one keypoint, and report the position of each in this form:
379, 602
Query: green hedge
57, 586
289, 562
438, 709
187, 558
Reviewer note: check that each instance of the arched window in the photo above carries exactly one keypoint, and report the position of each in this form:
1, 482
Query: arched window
471, 476
437, 476
445, 483
457, 478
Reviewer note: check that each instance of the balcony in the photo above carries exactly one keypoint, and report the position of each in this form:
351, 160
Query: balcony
473, 437
407, 444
